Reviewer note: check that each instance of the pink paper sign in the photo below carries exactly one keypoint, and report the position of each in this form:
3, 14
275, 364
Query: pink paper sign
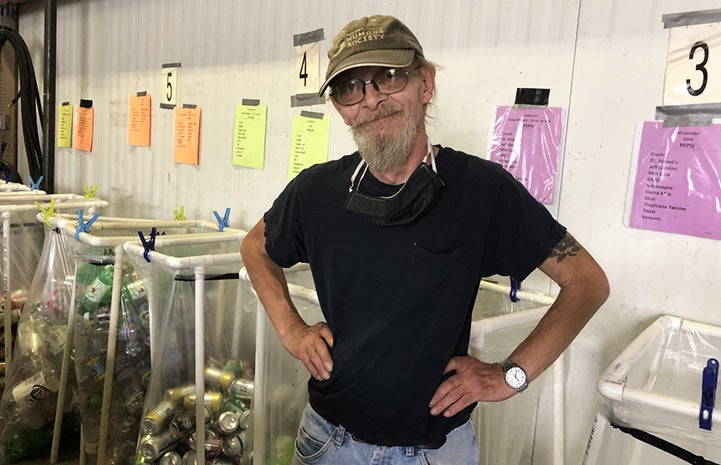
677, 187
526, 142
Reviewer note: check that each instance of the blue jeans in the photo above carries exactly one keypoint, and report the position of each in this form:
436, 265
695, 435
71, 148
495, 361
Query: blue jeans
319, 442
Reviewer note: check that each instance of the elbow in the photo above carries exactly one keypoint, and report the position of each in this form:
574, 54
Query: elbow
599, 287
253, 243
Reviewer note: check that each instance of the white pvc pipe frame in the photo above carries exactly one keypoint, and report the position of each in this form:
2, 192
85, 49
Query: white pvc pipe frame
480, 328
6, 186
67, 225
612, 383
26, 204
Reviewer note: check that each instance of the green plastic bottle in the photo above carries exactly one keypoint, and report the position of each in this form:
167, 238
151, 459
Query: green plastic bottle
25, 443
98, 292
86, 273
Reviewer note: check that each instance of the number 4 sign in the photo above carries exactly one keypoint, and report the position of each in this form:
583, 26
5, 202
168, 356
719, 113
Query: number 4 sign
307, 68
307, 62
693, 61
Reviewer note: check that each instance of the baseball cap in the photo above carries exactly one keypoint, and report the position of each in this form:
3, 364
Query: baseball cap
371, 41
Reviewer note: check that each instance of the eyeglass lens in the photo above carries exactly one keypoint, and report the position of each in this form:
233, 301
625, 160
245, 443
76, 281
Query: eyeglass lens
386, 81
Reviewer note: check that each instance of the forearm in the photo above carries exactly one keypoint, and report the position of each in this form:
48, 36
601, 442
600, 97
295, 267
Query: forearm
584, 288
309, 344
269, 282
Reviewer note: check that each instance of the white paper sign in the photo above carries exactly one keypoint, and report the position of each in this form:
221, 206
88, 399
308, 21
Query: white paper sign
693, 65
307, 66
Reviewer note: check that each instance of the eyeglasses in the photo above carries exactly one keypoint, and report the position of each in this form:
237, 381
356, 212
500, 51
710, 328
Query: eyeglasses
386, 81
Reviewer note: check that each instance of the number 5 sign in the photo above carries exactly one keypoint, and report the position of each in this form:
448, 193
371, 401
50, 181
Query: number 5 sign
169, 95
693, 62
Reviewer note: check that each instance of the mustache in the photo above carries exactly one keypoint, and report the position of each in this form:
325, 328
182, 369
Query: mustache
382, 112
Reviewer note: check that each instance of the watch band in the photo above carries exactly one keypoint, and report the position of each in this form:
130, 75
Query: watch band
506, 364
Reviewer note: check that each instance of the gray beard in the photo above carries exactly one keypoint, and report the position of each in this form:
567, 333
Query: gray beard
384, 151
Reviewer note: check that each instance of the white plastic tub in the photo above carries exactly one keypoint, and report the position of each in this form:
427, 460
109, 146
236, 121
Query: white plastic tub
655, 385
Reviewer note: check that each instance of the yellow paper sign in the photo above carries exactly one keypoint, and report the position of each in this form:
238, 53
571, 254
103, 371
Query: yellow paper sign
187, 135
65, 125
139, 120
84, 128
309, 145
249, 135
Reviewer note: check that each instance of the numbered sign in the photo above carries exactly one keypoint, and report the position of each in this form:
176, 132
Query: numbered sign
693, 65
307, 65
169, 94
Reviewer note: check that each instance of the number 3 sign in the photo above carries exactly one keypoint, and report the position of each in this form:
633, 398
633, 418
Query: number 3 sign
693, 62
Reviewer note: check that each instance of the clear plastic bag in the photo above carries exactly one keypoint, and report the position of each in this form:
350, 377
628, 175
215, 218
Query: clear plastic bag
29, 404
179, 296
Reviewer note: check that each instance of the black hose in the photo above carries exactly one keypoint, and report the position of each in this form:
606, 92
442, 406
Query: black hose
31, 111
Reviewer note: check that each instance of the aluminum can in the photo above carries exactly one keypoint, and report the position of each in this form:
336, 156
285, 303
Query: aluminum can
189, 459
232, 447
235, 404
152, 447
158, 418
176, 394
245, 419
185, 422
171, 458
213, 400
219, 377
228, 422
213, 442
242, 388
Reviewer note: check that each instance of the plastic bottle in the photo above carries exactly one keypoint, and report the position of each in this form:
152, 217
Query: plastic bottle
33, 400
135, 302
86, 273
97, 292
25, 442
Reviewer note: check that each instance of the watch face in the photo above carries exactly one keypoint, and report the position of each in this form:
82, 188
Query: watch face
515, 377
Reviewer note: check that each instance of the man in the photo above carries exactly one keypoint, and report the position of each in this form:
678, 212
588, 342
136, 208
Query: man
398, 236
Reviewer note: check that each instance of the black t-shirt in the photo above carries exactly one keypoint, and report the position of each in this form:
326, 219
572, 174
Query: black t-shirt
399, 299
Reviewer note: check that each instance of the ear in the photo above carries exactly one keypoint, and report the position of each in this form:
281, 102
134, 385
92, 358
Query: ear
429, 83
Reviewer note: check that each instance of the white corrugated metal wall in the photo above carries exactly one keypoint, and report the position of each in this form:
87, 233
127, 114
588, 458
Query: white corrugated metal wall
603, 61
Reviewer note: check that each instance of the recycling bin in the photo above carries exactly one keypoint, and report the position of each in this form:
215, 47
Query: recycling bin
653, 401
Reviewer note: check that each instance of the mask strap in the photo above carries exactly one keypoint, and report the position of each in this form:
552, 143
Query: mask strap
362, 164
430, 155
355, 173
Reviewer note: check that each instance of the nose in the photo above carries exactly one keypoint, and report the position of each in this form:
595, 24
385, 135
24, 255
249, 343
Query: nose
372, 96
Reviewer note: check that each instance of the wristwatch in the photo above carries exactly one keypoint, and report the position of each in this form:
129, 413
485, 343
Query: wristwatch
514, 375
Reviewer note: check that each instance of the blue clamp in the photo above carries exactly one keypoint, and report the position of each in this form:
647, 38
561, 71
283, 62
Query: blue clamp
709, 381
148, 245
515, 286
35, 185
82, 226
222, 222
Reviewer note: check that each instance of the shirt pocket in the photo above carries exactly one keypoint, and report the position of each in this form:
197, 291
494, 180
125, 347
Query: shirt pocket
439, 281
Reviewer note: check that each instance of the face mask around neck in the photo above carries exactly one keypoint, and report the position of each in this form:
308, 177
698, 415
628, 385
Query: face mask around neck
417, 196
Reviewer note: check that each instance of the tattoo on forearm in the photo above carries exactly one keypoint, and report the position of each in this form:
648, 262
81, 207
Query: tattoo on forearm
566, 247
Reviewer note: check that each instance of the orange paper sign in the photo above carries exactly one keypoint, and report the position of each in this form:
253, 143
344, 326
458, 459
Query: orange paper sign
84, 128
139, 120
187, 135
